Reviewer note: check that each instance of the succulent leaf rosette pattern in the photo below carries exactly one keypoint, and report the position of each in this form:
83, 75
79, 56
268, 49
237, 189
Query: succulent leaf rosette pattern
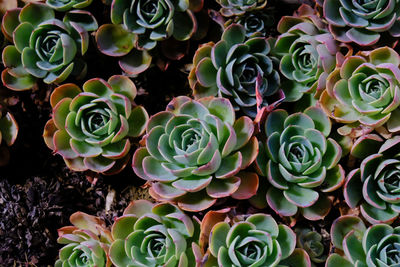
365, 90
373, 247
237, 68
8, 135
362, 22
239, 7
153, 235
91, 129
253, 241
375, 186
86, 243
138, 25
300, 162
256, 23
311, 242
65, 5
44, 47
195, 151
307, 53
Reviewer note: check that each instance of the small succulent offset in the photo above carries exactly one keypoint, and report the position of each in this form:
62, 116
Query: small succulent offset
153, 235
139, 25
300, 162
375, 186
362, 22
365, 90
256, 23
86, 243
235, 7
44, 47
65, 5
91, 130
307, 51
8, 135
253, 241
236, 68
195, 151
379, 245
311, 241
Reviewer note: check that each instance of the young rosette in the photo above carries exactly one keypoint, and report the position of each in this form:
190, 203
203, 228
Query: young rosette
362, 22
373, 247
307, 51
256, 23
255, 241
91, 129
365, 90
375, 186
137, 26
86, 243
8, 135
44, 47
237, 68
195, 151
234, 7
300, 162
312, 242
65, 5
154, 235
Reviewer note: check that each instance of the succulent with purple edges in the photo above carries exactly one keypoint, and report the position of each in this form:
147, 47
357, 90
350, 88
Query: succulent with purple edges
154, 235
239, 7
195, 152
307, 53
43, 46
237, 68
8, 135
365, 91
138, 25
377, 246
65, 5
300, 163
86, 243
91, 129
362, 21
248, 240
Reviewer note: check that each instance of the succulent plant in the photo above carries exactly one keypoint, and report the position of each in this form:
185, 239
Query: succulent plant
362, 22
238, 69
300, 162
91, 130
153, 235
312, 242
86, 243
376, 246
65, 5
235, 7
139, 25
8, 135
253, 241
375, 185
44, 47
256, 23
365, 90
307, 51
195, 151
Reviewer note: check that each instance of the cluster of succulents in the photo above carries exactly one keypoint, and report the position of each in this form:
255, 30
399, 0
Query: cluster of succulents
332, 147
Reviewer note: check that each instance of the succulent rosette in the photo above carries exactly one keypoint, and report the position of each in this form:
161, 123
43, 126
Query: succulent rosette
86, 243
375, 186
235, 7
8, 135
138, 25
373, 247
91, 129
365, 91
307, 53
300, 163
236, 68
195, 151
65, 5
362, 22
256, 23
312, 242
153, 235
44, 47
250, 240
